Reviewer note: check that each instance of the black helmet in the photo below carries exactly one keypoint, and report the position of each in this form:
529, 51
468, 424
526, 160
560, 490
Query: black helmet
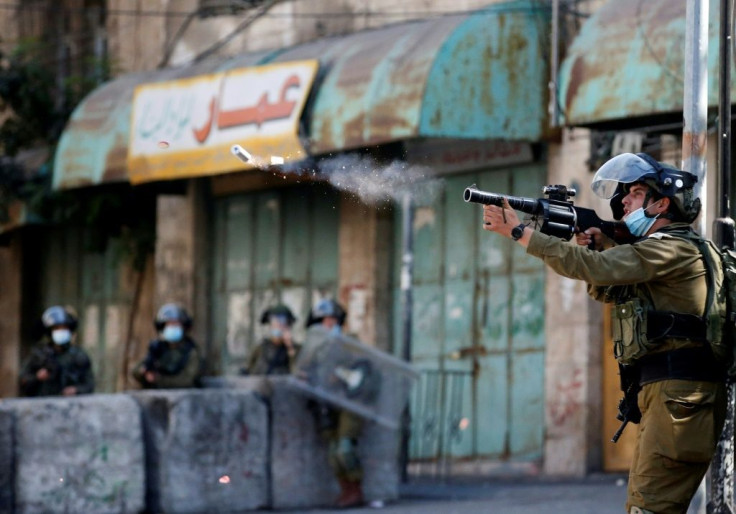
172, 312
327, 308
58, 315
613, 179
278, 310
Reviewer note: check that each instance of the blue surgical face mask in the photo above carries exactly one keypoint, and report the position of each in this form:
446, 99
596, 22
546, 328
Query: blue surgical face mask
277, 333
336, 330
61, 336
638, 222
173, 333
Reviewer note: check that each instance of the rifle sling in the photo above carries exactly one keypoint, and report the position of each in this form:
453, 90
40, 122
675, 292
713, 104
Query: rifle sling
696, 363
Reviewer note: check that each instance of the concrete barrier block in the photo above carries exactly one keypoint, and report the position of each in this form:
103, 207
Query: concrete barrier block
301, 475
79, 454
7, 461
379, 453
207, 450
300, 470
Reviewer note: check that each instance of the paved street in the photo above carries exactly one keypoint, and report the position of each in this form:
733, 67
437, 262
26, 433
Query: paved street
597, 494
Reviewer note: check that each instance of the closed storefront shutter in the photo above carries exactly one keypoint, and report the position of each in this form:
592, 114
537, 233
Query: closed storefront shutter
478, 327
270, 246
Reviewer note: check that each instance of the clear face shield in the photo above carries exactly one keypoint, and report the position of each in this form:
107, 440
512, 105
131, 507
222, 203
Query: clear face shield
622, 169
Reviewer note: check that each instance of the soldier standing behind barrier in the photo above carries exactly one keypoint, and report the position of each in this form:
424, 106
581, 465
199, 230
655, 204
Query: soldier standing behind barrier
659, 285
57, 366
277, 352
173, 360
341, 429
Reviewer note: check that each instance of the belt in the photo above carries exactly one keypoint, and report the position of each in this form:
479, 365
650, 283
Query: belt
684, 364
673, 325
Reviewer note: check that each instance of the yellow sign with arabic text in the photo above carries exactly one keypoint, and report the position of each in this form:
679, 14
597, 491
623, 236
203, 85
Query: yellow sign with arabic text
186, 128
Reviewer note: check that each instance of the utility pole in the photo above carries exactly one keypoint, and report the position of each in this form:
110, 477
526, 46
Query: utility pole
407, 302
554, 103
721, 490
695, 102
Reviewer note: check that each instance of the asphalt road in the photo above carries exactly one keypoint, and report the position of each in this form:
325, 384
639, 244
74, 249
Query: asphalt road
596, 494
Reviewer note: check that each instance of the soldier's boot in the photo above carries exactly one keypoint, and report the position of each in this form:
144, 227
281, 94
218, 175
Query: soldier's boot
351, 494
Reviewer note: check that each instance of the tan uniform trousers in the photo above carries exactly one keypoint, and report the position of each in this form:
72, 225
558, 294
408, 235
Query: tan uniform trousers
680, 426
342, 450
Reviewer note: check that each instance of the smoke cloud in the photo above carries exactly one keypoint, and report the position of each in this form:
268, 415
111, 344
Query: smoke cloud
360, 175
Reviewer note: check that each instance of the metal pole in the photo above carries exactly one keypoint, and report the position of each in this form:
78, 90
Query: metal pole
720, 492
695, 102
724, 114
407, 278
553, 108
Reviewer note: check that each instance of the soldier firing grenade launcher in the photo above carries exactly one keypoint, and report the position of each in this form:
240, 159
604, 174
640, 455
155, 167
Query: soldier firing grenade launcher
558, 216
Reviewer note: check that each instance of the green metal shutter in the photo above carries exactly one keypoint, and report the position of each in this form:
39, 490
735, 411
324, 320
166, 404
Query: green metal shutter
271, 246
478, 330
96, 283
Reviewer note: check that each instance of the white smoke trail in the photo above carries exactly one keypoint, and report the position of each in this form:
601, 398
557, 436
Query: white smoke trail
372, 182
359, 175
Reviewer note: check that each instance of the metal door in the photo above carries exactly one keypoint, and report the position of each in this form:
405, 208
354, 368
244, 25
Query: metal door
478, 328
270, 246
97, 281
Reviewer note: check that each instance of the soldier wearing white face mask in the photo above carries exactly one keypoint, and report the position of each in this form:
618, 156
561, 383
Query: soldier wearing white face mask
57, 366
173, 359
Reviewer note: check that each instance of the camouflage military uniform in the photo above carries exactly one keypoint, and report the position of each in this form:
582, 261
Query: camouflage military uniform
681, 418
67, 365
268, 358
341, 430
175, 365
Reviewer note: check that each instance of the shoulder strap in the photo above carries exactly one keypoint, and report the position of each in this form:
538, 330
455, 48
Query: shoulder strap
704, 247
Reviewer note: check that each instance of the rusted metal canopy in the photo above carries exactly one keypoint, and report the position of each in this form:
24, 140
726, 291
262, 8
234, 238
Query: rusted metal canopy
476, 76
628, 61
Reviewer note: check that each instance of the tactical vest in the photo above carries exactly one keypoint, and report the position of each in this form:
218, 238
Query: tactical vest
638, 329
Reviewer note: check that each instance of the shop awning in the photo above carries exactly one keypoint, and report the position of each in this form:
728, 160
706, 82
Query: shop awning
628, 62
476, 76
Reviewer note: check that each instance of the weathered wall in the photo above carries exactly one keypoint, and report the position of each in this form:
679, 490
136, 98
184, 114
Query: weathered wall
140, 41
181, 257
574, 337
10, 316
365, 240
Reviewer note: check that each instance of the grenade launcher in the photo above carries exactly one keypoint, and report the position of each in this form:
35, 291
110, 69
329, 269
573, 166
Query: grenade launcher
556, 213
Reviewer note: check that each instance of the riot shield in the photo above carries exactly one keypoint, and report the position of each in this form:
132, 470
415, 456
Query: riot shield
351, 375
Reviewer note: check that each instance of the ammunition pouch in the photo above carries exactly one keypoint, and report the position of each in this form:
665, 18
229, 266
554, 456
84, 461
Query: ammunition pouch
637, 330
697, 363
629, 323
